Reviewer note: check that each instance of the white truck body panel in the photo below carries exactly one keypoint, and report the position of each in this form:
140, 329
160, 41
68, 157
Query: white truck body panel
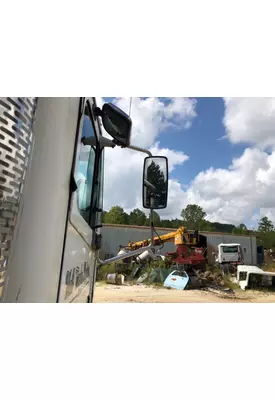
49, 249
42, 221
51, 195
78, 262
244, 272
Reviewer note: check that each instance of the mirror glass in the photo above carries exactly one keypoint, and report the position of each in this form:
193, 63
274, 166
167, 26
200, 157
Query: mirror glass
155, 182
117, 124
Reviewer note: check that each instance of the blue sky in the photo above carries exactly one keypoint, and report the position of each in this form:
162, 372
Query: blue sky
202, 142
214, 133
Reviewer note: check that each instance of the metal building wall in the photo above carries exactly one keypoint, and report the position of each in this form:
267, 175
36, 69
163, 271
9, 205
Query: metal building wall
248, 244
115, 235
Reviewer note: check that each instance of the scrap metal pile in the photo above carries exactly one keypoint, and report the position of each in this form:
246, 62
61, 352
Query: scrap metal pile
186, 267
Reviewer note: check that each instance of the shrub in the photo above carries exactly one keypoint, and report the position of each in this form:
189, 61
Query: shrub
105, 269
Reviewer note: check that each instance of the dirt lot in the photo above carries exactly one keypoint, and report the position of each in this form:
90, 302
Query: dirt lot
143, 294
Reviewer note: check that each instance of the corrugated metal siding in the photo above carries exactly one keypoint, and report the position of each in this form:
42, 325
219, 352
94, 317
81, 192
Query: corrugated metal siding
248, 244
115, 235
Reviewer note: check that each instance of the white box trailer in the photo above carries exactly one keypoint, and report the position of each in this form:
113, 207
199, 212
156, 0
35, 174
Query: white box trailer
116, 235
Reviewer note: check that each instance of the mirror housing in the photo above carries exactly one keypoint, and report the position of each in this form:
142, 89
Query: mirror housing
116, 123
155, 183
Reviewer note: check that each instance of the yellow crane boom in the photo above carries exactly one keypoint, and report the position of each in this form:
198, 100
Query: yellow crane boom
180, 236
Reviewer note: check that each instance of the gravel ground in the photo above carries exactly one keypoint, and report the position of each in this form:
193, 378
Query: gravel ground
143, 294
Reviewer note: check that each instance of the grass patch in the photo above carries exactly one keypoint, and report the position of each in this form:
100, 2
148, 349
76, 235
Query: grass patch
105, 269
100, 283
230, 285
156, 285
269, 268
263, 289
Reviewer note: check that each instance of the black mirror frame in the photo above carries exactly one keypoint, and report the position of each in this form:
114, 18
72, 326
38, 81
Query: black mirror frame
144, 164
123, 116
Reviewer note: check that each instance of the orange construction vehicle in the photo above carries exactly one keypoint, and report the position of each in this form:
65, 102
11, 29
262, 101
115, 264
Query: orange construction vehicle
191, 248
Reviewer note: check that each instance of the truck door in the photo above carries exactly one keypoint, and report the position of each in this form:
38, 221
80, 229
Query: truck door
78, 264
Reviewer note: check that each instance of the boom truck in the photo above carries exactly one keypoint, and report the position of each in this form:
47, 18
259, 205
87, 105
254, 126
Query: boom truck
191, 249
51, 194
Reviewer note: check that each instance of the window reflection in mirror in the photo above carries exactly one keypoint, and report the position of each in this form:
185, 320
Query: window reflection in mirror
155, 182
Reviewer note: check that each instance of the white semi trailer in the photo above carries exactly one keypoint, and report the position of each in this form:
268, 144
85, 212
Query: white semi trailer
51, 194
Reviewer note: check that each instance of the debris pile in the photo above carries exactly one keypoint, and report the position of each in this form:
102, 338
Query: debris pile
115, 279
269, 256
213, 278
214, 281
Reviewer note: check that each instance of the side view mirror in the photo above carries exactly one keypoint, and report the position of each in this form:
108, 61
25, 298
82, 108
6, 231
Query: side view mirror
116, 123
155, 182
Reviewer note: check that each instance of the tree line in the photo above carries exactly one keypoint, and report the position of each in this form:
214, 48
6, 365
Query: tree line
192, 217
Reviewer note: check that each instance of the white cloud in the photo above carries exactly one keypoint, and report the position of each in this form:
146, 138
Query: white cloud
232, 194
123, 167
175, 157
151, 116
250, 120
227, 195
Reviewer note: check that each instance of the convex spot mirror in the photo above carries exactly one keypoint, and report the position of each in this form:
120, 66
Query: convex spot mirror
155, 182
117, 123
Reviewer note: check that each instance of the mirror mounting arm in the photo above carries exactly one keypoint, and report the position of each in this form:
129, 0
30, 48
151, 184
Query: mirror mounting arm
98, 112
104, 142
91, 141
140, 149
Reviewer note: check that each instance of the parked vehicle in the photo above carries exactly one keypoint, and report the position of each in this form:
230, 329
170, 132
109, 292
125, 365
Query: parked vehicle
229, 256
251, 277
51, 194
177, 280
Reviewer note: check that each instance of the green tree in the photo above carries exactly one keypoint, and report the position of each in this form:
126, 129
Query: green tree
193, 216
156, 177
241, 229
219, 227
266, 233
266, 239
137, 217
166, 223
156, 220
116, 215
104, 216
206, 226
265, 225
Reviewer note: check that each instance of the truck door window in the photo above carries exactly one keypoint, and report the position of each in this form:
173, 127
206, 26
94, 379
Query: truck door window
96, 217
85, 167
243, 276
230, 249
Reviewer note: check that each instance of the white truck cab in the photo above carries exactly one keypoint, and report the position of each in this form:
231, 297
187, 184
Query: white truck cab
250, 276
51, 195
229, 254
